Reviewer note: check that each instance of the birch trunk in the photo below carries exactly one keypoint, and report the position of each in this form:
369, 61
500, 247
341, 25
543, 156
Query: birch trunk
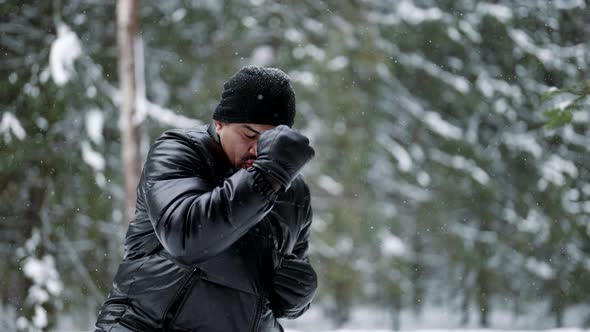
127, 28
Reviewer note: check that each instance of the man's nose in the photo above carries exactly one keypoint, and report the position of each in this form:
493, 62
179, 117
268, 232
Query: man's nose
252, 149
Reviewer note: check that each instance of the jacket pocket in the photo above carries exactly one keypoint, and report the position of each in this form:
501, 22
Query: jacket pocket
179, 298
212, 307
154, 286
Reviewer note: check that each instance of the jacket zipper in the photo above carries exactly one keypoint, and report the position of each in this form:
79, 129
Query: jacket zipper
258, 314
174, 306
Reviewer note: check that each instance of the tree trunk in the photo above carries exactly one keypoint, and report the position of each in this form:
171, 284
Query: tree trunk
127, 28
417, 276
557, 302
466, 299
465, 308
397, 309
483, 297
558, 317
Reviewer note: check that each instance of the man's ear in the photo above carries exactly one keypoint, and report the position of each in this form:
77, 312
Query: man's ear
218, 125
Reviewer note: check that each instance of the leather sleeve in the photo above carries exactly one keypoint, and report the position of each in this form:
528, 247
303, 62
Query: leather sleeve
193, 219
301, 245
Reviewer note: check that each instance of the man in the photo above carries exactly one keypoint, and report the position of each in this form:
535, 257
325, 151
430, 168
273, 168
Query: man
220, 235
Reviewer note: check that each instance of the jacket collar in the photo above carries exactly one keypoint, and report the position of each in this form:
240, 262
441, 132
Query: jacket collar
213, 133
222, 166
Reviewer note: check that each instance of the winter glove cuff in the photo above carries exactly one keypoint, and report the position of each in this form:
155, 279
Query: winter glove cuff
264, 185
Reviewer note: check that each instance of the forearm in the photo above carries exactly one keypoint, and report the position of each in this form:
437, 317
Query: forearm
194, 226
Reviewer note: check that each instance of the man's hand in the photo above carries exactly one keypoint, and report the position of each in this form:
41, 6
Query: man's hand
282, 153
294, 285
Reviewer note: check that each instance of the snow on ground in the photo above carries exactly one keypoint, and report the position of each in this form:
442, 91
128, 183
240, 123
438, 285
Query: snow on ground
438, 318
434, 318
457, 330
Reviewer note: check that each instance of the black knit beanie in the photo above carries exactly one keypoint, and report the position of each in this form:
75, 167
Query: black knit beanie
257, 95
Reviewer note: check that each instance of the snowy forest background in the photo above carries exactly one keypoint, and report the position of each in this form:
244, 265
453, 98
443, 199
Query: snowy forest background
453, 141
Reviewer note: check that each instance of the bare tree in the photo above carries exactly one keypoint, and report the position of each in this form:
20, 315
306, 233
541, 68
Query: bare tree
127, 28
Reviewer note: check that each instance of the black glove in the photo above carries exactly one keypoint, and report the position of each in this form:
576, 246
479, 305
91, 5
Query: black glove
282, 153
294, 285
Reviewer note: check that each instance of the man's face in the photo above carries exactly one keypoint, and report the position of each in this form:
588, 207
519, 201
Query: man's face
239, 141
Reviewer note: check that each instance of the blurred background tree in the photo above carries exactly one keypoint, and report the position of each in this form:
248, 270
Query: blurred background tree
452, 137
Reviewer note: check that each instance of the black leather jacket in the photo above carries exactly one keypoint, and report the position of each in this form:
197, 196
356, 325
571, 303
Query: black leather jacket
202, 248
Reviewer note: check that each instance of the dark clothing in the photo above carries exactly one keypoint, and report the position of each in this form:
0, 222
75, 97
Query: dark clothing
201, 251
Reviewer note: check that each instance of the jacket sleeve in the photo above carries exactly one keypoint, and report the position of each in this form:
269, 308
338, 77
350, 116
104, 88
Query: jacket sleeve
192, 219
302, 244
282, 309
